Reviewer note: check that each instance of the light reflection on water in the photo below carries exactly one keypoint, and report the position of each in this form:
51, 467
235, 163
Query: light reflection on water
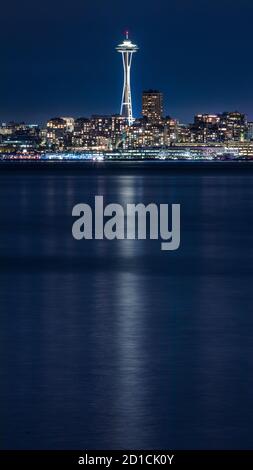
117, 344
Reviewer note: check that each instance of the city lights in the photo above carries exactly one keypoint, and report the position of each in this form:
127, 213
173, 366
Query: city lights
224, 136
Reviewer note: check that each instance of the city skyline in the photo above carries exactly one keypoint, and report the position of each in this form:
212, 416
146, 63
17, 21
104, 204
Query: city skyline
199, 59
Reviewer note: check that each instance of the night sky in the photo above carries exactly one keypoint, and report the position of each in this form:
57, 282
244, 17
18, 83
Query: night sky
58, 57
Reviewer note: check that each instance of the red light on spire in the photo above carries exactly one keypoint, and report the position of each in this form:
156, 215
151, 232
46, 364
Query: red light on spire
127, 34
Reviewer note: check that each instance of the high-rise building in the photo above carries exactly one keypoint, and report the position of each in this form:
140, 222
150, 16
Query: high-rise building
152, 105
250, 130
118, 130
82, 136
233, 126
56, 129
205, 128
69, 123
127, 48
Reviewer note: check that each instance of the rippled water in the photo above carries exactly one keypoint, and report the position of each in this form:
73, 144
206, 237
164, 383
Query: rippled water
116, 344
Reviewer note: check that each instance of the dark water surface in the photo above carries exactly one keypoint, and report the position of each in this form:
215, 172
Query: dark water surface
116, 344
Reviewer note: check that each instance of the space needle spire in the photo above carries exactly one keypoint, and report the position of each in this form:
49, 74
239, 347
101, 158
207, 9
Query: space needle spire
127, 48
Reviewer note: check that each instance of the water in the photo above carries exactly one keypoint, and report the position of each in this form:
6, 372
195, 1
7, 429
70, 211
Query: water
116, 344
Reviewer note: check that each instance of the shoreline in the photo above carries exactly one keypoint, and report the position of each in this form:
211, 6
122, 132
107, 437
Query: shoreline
128, 165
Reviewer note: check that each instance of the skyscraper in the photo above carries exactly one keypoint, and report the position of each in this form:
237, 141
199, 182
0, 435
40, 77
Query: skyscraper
152, 105
127, 48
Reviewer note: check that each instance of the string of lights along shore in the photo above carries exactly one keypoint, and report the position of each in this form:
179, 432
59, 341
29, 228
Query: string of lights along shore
127, 49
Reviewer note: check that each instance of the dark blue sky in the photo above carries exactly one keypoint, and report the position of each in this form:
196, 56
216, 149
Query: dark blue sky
58, 57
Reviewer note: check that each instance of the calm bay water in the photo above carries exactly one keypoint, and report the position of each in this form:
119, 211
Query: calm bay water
116, 344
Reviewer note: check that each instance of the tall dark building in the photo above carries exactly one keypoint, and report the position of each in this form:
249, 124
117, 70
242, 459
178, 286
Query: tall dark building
205, 127
233, 126
152, 105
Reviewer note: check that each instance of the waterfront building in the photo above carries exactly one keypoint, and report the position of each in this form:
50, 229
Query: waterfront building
69, 123
119, 125
184, 134
56, 123
205, 128
81, 136
143, 134
232, 126
101, 125
21, 137
249, 134
6, 129
171, 130
57, 130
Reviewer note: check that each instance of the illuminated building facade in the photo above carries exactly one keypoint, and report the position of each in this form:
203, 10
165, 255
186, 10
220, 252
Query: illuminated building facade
152, 105
205, 128
233, 126
81, 137
249, 134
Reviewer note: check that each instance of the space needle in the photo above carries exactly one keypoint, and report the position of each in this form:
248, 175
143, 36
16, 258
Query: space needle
127, 48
